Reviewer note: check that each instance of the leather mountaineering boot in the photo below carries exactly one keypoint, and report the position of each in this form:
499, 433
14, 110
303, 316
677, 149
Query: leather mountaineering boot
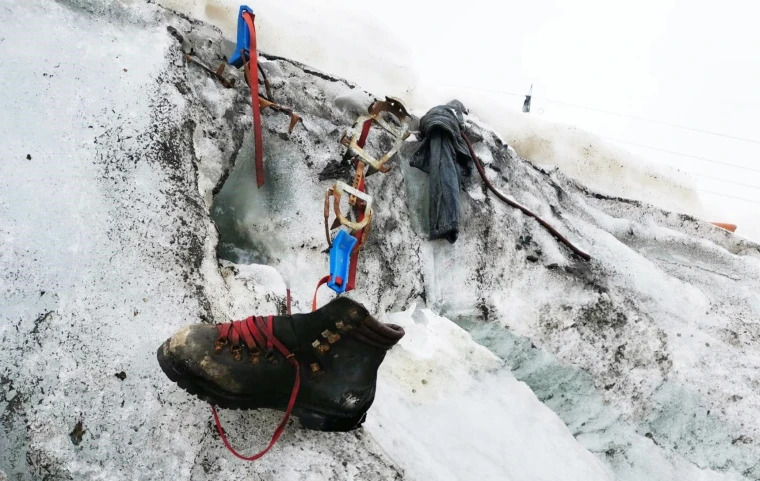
322, 366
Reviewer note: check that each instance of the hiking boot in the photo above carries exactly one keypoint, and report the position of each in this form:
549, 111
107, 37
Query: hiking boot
332, 353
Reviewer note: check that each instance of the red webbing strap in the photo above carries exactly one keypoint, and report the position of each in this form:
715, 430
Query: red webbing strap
287, 305
365, 133
251, 324
253, 78
354, 262
291, 358
321, 282
269, 328
247, 333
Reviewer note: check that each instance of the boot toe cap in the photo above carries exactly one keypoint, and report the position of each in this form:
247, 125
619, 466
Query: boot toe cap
192, 342
189, 355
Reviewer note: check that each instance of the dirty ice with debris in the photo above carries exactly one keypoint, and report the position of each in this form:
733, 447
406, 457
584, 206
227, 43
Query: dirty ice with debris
128, 209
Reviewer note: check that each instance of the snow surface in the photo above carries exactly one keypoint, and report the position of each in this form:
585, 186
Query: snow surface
432, 395
640, 364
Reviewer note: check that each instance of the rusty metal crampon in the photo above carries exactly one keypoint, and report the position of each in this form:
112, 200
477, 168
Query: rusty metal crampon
390, 106
336, 192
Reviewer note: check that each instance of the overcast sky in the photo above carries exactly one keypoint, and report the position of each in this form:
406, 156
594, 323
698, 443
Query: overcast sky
688, 63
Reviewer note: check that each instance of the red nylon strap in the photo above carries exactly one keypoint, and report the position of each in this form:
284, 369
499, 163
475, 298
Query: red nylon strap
234, 335
246, 333
365, 133
253, 78
269, 328
224, 330
354, 262
271, 340
255, 331
321, 282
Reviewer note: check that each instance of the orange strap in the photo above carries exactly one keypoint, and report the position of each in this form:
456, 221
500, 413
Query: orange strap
728, 227
253, 78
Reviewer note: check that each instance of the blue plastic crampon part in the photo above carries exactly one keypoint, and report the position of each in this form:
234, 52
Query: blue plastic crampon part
340, 260
243, 39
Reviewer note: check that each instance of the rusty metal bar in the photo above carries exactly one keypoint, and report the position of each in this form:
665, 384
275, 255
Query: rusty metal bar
218, 73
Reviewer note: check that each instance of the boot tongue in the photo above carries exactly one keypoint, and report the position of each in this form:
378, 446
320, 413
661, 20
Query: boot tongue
301, 330
285, 330
335, 318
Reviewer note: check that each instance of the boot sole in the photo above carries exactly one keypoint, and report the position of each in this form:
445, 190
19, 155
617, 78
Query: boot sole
310, 418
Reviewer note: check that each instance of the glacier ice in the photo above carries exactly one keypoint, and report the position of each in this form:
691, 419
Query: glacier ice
109, 247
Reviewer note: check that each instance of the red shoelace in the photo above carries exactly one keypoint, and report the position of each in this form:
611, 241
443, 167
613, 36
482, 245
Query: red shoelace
258, 335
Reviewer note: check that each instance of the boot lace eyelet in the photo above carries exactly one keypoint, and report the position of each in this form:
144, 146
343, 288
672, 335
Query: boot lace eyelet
236, 352
320, 347
219, 345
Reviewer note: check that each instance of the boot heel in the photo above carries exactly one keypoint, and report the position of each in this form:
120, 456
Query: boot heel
322, 422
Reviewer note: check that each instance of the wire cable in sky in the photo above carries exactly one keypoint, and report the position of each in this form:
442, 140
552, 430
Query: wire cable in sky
683, 154
722, 180
730, 196
657, 122
729, 164
618, 114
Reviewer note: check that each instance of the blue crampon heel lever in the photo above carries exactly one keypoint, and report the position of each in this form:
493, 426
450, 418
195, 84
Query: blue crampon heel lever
243, 39
340, 260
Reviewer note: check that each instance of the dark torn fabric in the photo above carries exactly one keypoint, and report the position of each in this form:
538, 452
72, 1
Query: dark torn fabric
444, 155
